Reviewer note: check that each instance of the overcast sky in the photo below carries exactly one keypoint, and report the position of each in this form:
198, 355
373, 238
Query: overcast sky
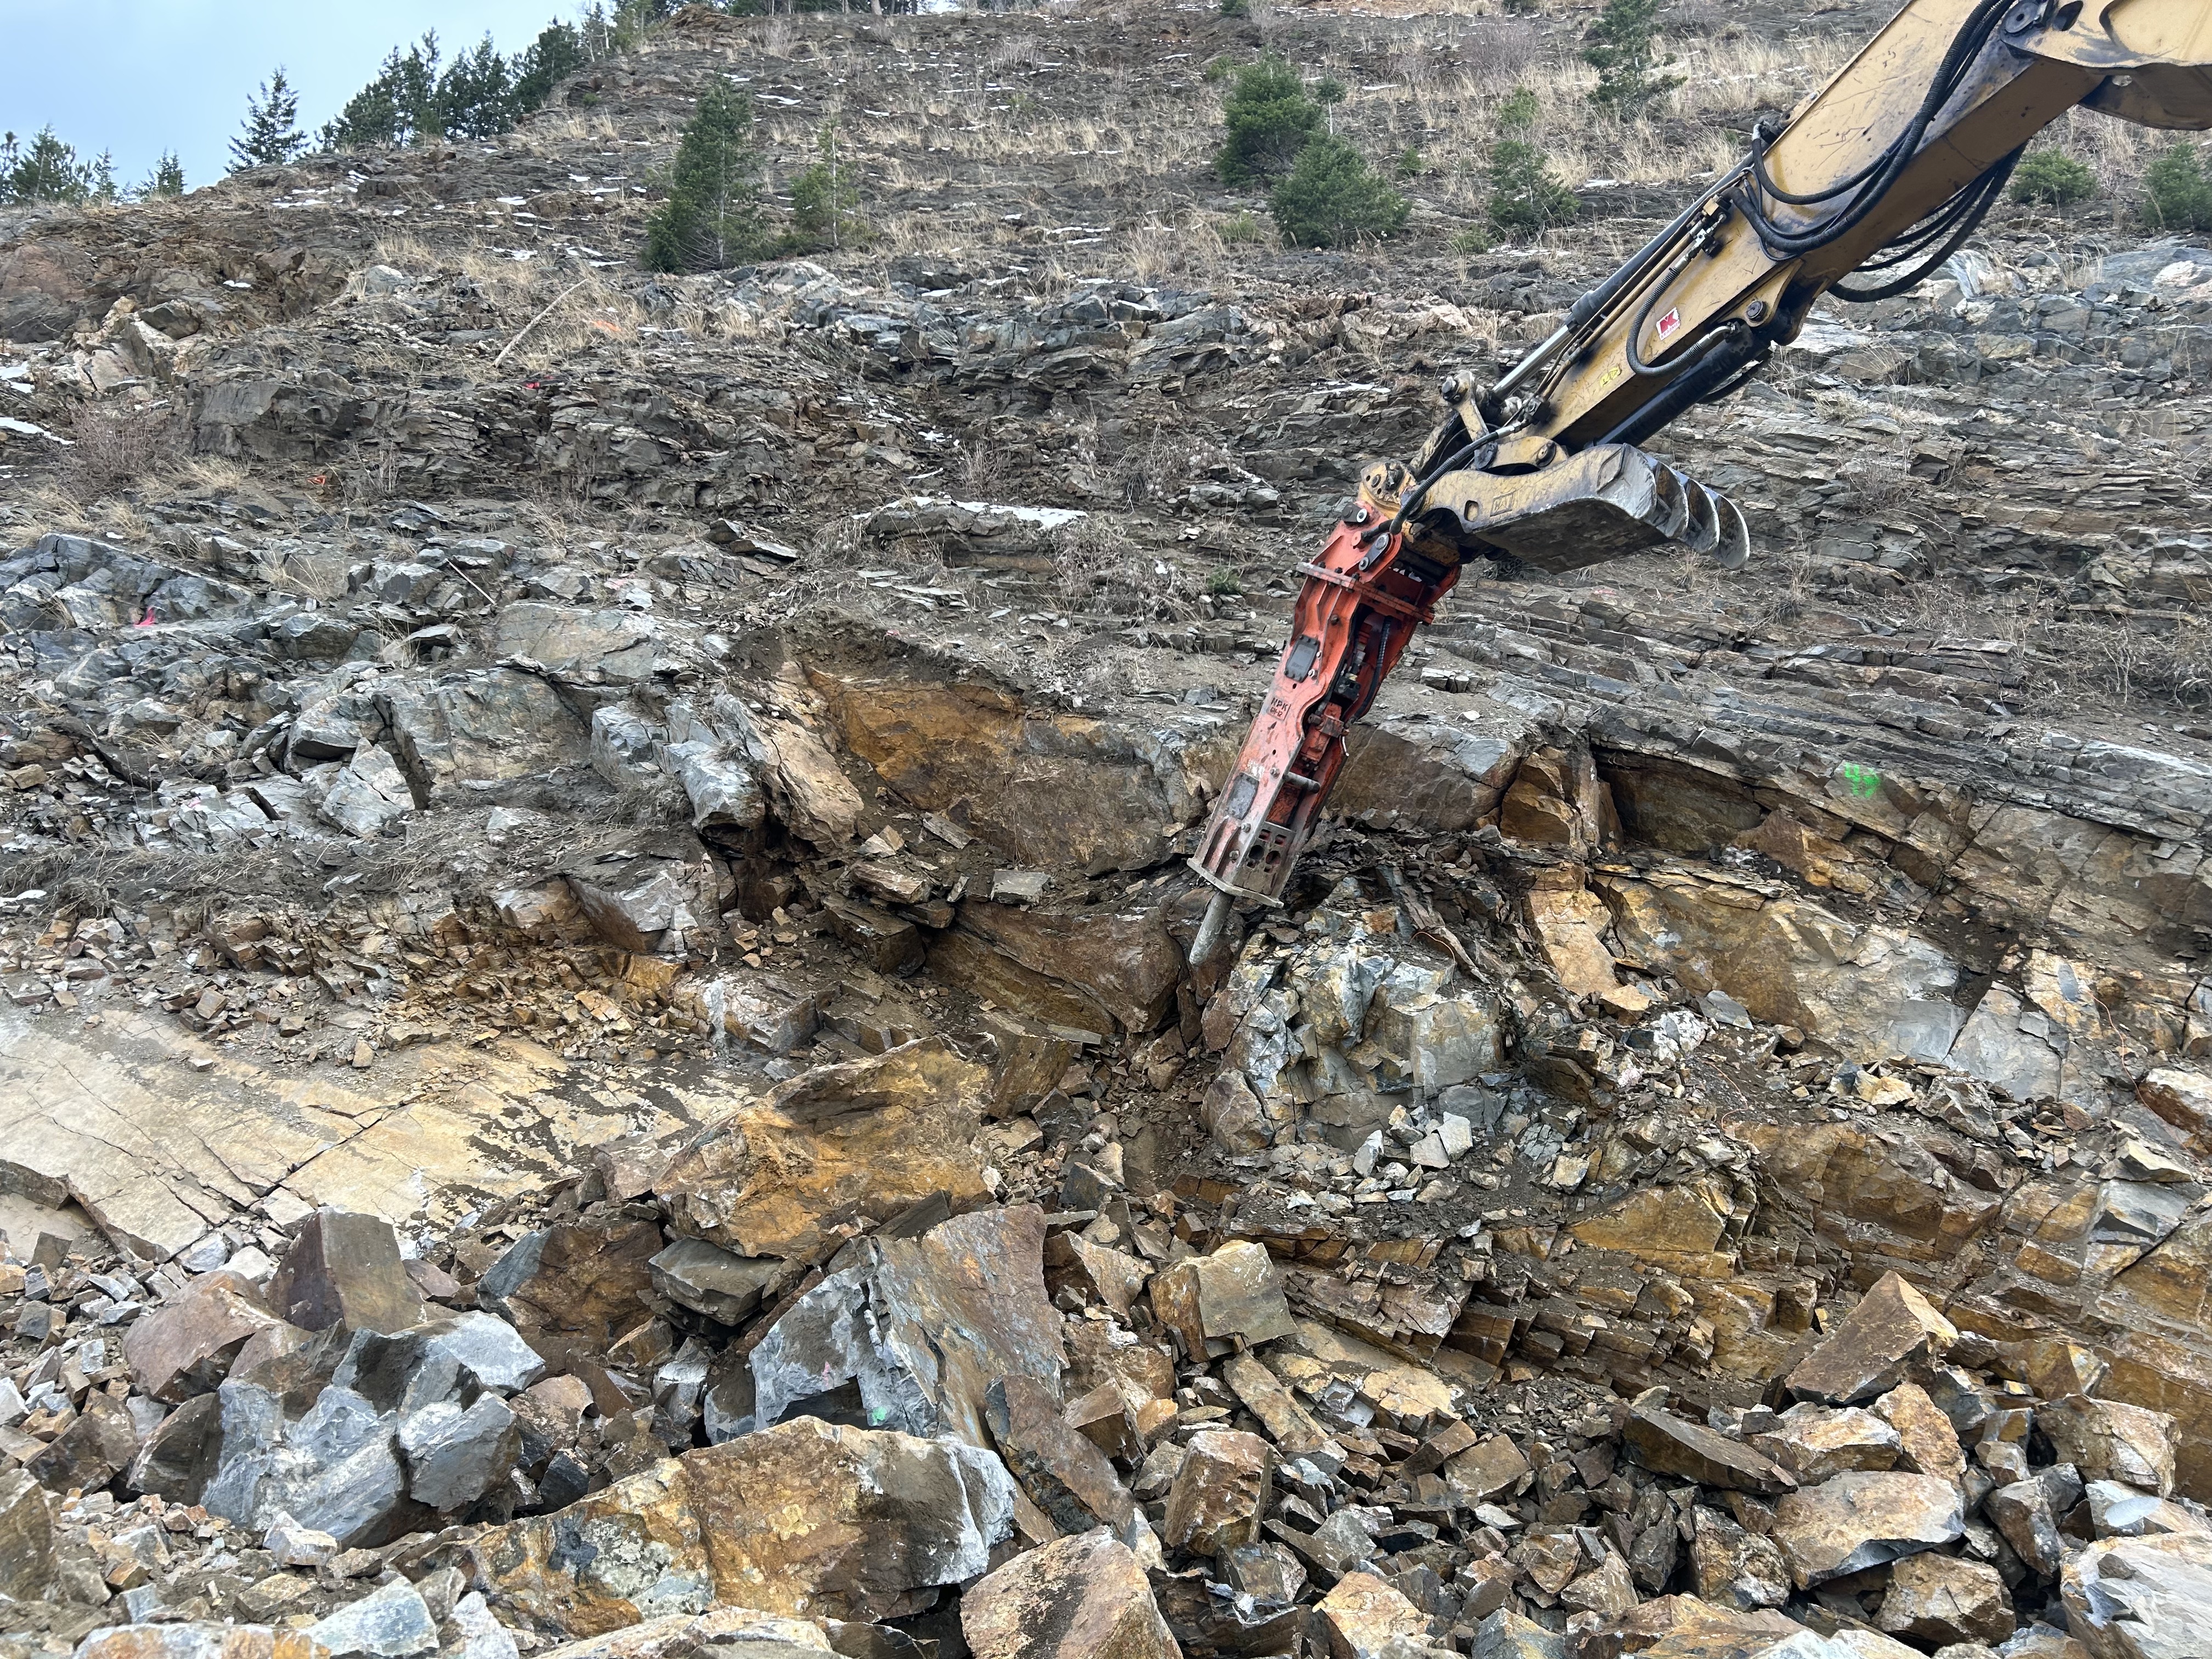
140, 76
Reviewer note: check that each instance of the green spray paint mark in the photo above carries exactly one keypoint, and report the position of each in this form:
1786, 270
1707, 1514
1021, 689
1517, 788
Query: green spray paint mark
1862, 781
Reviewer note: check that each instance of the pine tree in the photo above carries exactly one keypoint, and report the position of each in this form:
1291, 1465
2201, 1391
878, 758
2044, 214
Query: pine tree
100, 178
1525, 199
825, 202
556, 53
1332, 197
1619, 48
1269, 117
271, 136
711, 219
46, 172
168, 178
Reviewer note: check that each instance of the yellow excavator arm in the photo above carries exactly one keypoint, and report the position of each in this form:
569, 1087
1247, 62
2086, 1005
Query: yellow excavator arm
1873, 182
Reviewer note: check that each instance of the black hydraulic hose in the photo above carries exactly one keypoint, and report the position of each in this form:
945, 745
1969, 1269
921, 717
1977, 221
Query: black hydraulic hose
1965, 46
1979, 198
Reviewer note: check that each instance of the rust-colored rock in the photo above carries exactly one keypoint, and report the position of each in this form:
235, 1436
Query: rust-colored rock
1216, 1303
1942, 1599
2107, 1440
806, 1519
185, 1344
1854, 1521
581, 1280
1893, 1327
1365, 1615
879, 1134
1081, 1597
1667, 1444
345, 1268
1220, 1494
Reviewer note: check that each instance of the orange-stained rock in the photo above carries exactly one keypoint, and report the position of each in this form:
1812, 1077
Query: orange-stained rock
806, 1519
199, 1641
878, 1134
1892, 1328
1364, 1614
1084, 1597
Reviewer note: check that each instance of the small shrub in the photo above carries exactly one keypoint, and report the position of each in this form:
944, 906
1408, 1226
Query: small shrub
1523, 7
1239, 229
114, 448
1470, 240
712, 216
1236, 8
1619, 47
1217, 70
2053, 177
1332, 197
1269, 117
1525, 199
1225, 581
825, 202
2180, 194
1409, 164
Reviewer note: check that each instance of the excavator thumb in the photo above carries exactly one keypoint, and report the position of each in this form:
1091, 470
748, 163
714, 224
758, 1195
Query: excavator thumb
1608, 501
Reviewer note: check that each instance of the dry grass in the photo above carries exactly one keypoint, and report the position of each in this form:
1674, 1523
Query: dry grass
114, 446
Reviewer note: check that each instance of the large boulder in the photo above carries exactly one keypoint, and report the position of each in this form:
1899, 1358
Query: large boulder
806, 1517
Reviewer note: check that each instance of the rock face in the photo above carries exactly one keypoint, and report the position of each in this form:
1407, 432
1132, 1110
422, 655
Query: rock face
1079, 1597
882, 1133
1375, 1014
804, 1518
1709, 1152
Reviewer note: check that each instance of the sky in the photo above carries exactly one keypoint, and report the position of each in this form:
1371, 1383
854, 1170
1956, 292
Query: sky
139, 76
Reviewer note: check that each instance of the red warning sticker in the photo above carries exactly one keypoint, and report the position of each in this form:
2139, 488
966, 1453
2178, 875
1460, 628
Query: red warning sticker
1669, 322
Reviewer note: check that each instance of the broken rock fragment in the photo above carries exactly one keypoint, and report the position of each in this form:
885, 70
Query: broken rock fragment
2108, 1440
880, 1134
1366, 1617
2141, 1598
345, 1268
390, 1623
1853, 1522
1220, 1302
808, 1518
1942, 1599
185, 1344
710, 1279
1667, 1444
199, 1641
724, 1633
26, 1539
1220, 1494
576, 1280
1065, 1475
1892, 1328
915, 1331
1081, 1597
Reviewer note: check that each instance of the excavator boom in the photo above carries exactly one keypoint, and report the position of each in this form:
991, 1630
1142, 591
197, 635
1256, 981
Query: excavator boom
1873, 182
